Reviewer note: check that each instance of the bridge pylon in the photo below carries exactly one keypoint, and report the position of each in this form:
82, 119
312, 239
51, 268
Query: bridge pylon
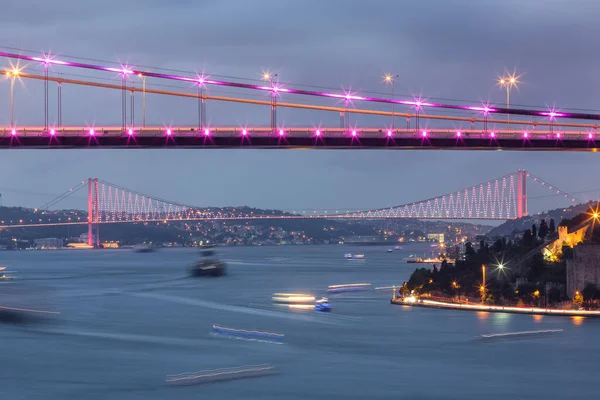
522, 193
93, 215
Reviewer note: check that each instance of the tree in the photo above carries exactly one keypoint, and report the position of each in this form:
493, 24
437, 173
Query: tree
444, 265
528, 239
554, 295
536, 267
497, 246
543, 231
589, 293
552, 226
469, 251
533, 230
577, 299
481, 246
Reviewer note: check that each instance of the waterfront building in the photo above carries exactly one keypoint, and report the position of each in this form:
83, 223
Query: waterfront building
48, 243
436, 236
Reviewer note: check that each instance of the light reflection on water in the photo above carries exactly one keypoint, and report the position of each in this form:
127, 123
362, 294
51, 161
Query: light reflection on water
369, 349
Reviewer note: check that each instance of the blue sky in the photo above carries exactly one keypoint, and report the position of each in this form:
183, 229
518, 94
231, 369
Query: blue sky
449, 49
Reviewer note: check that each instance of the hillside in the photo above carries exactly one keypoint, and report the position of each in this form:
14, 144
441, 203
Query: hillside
519, 225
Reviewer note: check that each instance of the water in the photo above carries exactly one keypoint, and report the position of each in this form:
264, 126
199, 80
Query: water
128, 320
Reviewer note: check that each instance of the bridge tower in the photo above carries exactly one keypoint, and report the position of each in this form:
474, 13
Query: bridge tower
93, 212
522, 193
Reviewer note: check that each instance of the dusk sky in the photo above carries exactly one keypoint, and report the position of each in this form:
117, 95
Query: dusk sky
448, 49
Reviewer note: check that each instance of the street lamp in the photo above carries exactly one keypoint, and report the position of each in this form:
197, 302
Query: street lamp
269, 78
14, 73
391, 79
508, 81
482, 288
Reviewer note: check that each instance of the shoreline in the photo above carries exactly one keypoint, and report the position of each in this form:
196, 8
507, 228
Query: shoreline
495, 309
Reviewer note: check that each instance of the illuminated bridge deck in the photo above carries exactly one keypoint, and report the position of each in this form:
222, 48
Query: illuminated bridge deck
300, 138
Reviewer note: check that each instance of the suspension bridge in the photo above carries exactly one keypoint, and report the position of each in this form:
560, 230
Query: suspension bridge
453, 126
504, 198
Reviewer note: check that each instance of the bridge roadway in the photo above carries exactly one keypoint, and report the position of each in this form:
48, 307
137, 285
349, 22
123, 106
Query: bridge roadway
245, 218
290, 138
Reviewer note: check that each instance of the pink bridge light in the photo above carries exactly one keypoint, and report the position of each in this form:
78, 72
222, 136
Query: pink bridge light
493, 134
169, 132
281, 132
389, 133
318, 133
244, 132
206, 132
558, 135
458, 134
91, 132
13, 132
52, 132
525, 135
424, 133
590, 135
353, 133
130, 132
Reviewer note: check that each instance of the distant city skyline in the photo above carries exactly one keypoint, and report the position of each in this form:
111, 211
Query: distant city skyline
453, 50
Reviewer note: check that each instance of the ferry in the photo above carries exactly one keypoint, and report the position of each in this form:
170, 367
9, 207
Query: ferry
390, 251
350, 287
293, 298
398, 248
350, 256
208, 266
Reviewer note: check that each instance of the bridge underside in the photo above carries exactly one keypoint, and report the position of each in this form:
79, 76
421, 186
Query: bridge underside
293, 139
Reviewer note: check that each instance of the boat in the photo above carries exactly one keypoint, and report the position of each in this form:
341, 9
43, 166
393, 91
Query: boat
390, 251
350, 256
5, 275
350, 287
208, 265
398, 248
292, 298
143, 248
322, 305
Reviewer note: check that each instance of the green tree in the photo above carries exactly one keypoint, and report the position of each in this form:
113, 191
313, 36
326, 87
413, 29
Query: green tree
589, 293
536, 267
543, 231
497, 246
554, 295
528, 239
552, 226
533, 230
469, 250
482, 247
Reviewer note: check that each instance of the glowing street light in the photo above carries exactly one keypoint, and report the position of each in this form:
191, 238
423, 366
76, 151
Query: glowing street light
269, 78
509, 81
391, 79
14, 74
482, 287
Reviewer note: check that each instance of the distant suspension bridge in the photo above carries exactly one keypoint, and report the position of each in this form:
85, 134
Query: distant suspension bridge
504, 198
